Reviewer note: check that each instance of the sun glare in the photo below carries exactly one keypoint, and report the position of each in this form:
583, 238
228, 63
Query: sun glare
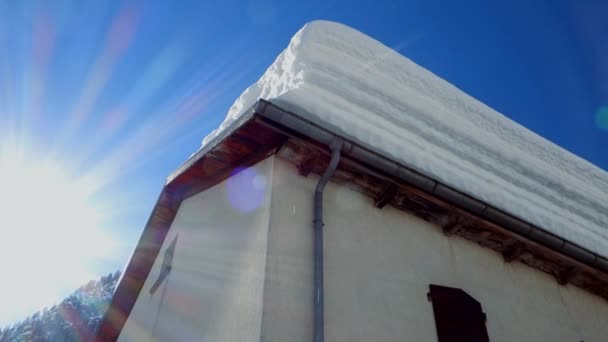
54, 225
51, 234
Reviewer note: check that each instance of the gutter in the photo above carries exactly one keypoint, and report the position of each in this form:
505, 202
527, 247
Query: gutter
299, 127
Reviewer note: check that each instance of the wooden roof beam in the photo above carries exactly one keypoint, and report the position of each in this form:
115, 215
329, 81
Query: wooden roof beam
385, 196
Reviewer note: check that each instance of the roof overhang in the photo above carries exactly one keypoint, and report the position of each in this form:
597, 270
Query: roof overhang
266, 129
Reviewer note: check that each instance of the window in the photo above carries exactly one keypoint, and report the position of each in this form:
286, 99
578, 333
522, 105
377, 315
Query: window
166, 266
458, 316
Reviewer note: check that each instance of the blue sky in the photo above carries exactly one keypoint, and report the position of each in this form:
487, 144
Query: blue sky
120, 93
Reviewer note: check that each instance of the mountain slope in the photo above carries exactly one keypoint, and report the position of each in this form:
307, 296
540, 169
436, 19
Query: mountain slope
76, 318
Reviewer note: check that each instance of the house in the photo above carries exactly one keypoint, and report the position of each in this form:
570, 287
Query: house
352, 195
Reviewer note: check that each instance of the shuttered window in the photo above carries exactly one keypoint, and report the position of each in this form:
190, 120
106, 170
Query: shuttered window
458, 316
165, 267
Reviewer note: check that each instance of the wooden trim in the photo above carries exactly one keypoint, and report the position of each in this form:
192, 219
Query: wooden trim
305, 167
513, 252
139, 267
385, 196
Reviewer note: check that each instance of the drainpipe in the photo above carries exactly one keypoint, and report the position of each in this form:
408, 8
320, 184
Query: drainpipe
318, 321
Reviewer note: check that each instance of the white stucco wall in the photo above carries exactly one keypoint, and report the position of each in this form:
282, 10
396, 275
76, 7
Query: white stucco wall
244, 275
378, 267
214, 291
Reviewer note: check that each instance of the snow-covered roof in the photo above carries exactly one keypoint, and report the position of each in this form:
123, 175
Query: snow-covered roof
354, 85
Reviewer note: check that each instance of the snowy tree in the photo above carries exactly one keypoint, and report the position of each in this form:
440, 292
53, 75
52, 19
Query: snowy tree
76, 318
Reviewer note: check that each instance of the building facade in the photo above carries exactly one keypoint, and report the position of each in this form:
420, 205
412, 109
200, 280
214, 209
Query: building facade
442, 220
242, 271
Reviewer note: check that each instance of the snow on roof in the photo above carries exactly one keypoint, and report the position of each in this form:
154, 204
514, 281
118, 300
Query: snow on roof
355, 86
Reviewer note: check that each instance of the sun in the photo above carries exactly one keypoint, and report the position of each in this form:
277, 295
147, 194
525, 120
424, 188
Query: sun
50, 228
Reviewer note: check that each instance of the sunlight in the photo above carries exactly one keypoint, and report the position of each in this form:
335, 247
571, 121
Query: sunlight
70, 139
51, 234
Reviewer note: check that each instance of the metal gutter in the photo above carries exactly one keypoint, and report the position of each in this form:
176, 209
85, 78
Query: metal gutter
299, 125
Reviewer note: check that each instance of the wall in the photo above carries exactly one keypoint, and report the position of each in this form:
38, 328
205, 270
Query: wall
243, 272
214, 290
379, 264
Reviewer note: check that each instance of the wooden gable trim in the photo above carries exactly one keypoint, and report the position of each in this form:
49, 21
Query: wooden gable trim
139, 267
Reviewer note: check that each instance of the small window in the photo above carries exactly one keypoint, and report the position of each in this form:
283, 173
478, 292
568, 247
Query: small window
458, 316
165, 267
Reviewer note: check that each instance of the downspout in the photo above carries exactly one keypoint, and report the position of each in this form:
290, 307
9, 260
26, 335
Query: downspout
318, 321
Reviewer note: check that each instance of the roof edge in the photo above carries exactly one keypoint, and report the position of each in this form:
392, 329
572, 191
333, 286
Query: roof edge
406, 173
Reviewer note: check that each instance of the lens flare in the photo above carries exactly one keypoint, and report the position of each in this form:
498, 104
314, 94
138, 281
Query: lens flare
601, 118
119, 37
246, 191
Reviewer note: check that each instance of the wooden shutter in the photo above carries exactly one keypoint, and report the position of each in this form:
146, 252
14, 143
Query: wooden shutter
458, 316
166, 266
